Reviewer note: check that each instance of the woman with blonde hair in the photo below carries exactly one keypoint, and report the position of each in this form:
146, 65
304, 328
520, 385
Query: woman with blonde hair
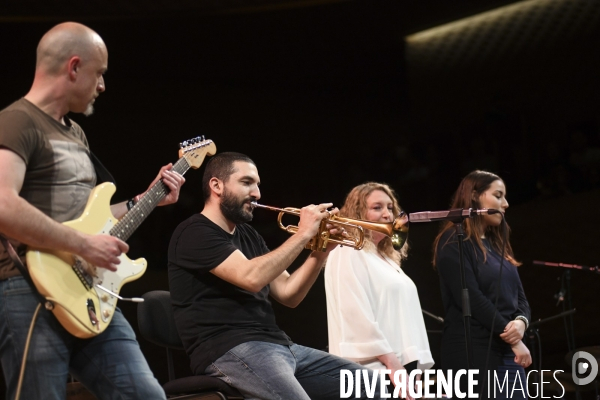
374, 315
498, 304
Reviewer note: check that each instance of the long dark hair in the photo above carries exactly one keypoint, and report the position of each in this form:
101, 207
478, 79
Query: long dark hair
467, 196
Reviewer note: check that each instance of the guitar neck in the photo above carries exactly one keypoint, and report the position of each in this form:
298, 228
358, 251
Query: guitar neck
138, 213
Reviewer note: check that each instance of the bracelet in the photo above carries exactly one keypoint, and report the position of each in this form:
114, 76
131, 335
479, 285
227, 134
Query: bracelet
524, 319
131, 203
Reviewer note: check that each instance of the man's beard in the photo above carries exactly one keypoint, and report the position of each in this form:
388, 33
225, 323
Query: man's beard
233, 209
89, 110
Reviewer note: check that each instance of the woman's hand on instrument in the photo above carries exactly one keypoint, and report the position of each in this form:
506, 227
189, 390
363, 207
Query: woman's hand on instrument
522, 355
513, 332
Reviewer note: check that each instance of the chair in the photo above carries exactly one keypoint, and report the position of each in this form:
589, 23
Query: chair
157, 325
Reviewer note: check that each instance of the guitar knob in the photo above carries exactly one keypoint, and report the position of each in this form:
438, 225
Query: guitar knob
104, 298
106, 313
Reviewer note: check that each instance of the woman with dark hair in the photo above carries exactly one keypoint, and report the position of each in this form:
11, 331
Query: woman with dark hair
498, 304
373, 311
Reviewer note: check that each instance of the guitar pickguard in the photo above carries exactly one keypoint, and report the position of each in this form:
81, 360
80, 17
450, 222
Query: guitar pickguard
113, 280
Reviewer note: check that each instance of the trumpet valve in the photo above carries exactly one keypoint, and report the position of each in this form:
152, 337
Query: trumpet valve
323, 236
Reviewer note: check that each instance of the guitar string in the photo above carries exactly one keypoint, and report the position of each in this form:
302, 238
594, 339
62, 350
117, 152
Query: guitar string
141, 210
124, 228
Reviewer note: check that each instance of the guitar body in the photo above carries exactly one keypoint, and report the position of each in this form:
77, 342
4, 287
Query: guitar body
68, 282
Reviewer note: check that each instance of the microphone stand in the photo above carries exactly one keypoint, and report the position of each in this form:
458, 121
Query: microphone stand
432, 315
595, 269
437, 318
466, 303
569, 320
565, 290
536, 342
458, 216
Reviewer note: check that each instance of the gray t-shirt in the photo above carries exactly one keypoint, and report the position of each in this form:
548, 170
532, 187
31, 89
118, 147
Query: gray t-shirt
60, 174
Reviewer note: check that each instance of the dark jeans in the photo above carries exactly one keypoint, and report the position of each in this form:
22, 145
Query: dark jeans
268, 371
111, 365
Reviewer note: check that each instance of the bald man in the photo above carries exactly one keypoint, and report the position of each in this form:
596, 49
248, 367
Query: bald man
46, 176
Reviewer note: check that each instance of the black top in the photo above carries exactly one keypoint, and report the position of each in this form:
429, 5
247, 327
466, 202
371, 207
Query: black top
212, 315
481, 279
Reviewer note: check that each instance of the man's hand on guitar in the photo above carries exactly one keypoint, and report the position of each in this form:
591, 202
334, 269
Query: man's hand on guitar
103, 251
173, 180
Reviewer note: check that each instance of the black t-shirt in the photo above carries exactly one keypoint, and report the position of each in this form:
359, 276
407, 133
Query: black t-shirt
212, 315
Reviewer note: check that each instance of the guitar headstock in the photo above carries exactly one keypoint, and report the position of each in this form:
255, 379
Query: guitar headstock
195, 150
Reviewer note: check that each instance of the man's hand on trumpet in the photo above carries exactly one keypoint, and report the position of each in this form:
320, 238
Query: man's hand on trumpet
310, 222
311, 217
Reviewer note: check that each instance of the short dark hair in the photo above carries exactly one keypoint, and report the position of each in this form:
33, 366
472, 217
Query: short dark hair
220, 166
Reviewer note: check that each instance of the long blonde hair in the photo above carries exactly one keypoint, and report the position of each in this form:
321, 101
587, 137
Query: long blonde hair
355, 207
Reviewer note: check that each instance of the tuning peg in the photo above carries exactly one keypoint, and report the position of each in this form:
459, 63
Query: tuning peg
203, 138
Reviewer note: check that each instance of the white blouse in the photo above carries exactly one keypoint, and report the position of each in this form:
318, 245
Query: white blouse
373, 308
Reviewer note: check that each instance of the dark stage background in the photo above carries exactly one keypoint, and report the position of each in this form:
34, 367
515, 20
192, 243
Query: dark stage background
328, 96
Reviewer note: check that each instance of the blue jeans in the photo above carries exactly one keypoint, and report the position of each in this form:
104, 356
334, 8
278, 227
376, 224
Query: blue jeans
266, 371
111, 365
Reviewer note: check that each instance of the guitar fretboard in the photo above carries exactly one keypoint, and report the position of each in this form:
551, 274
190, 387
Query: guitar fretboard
138, 213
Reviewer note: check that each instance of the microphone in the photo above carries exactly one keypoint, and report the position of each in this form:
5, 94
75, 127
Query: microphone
456, 215
595, 269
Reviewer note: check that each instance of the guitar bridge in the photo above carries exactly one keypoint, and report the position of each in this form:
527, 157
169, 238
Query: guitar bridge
92, 314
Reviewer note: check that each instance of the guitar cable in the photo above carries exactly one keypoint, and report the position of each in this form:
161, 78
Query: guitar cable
41, 300
25, 351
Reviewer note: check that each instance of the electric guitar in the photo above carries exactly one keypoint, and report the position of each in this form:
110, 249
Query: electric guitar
81, 296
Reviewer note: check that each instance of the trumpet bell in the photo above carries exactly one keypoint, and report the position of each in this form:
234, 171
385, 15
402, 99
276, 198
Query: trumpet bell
397, 230
400, 230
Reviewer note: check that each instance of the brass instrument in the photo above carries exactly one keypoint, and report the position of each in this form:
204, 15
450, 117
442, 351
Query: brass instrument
397, 229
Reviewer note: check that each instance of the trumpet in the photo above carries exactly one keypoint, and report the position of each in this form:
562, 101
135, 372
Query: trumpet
397, 230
